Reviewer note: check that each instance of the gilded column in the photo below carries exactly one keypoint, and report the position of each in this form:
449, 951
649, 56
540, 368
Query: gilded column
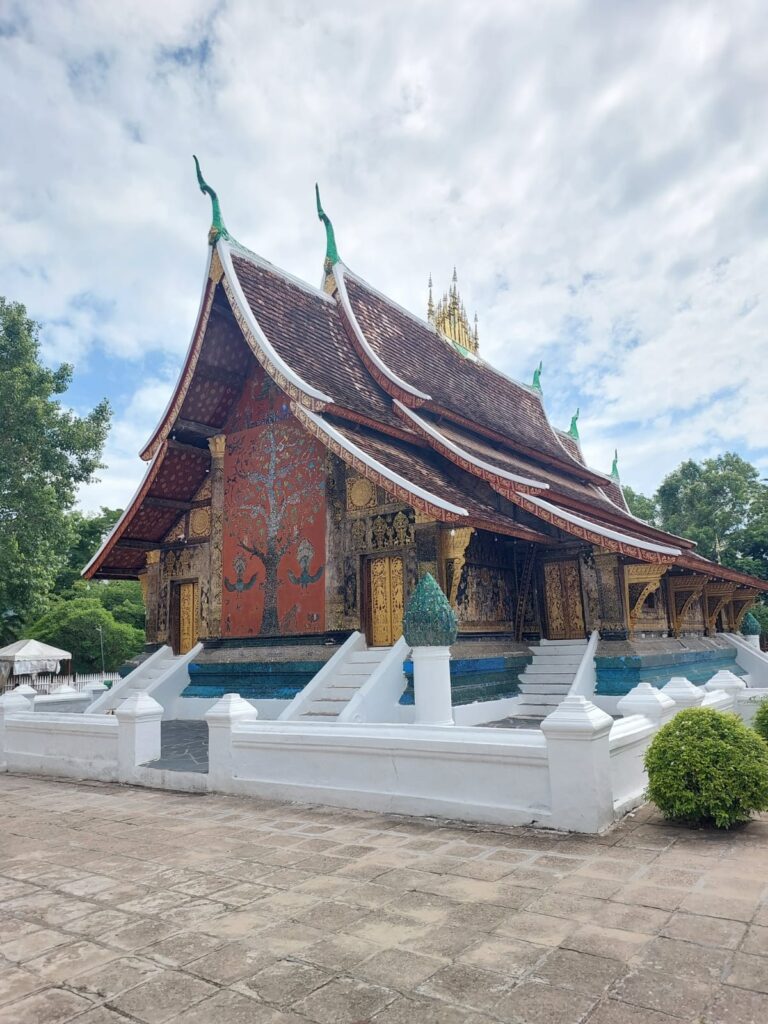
150, 588
218, 446
613, 619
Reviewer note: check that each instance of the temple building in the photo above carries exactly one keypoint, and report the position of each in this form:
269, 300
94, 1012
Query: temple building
324, 448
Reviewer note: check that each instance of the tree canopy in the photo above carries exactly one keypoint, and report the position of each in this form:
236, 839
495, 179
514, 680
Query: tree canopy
75, 624
720, 503
48, 452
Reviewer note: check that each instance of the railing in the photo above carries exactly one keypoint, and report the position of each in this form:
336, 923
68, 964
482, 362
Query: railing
48, 683
585, 680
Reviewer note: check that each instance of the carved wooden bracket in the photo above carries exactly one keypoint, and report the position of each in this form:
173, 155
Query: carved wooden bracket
639, 582
683, 591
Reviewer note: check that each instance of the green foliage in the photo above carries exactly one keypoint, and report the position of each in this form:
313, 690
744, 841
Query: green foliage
74, 624
722, 505
641, 506
705, 767
750, 626
760, 612
86, 532
123, 598
47, 452
429, 619
760, 721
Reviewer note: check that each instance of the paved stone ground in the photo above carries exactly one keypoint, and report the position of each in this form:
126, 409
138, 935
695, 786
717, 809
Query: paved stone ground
183, 747
120, 905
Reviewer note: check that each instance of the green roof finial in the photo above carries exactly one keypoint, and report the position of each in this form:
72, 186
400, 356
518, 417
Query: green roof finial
331, 252
573, 430
218, 230
537, 378
615, 467
429, 620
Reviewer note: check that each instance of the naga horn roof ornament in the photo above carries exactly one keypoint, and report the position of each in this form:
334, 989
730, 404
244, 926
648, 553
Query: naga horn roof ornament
573, 430
218, 229
331, 252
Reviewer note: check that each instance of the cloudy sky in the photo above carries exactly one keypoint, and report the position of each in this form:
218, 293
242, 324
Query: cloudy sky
598, 172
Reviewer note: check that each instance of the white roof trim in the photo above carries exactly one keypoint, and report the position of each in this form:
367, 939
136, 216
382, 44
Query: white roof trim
338, 276
462, 453
226, 261
602, 531
379, 467
126, 511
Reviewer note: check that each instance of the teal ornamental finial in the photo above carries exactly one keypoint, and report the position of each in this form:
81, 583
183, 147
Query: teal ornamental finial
573, 430
331, 252
537, 378
615, 466
218, 229
429, 620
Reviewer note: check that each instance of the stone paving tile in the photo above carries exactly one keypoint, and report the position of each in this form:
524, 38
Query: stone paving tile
131, 906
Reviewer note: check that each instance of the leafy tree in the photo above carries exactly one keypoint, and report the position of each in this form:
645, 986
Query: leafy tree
722, 505
123, 598
641, 506
73, 625
86, 534
47, 452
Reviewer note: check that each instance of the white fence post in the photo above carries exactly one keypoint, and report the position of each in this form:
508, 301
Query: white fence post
9, 703
683, 693
645, 699
432, 685
578, 751
138, 738
220, 718
729, 683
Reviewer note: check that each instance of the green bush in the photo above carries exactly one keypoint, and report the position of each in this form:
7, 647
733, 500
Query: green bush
72, 625
760, 721
707, 768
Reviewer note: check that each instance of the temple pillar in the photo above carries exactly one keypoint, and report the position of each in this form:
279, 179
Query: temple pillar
613, 619
427, 540
218, 447
453, 544
150, 588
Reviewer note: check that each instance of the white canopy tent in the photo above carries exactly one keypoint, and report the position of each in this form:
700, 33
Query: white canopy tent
30, 658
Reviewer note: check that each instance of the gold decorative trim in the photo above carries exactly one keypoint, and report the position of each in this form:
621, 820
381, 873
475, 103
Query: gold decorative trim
217, 446
216, 271
454, 544
716, 597
648, 575
691, 585
153, 557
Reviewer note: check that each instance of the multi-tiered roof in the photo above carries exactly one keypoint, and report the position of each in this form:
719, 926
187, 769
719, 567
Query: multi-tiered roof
407, 402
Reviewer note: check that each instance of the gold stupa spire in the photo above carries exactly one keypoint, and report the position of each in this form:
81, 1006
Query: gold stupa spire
450, 317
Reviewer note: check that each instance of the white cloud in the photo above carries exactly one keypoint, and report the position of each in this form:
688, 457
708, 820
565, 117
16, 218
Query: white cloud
596, 171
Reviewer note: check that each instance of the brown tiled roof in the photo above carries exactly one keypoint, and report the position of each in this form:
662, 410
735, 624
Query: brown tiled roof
426, 469
308, 333
475, 390
571, 445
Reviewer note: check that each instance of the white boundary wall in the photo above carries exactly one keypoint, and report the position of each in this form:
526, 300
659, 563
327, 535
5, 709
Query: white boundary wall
582, 770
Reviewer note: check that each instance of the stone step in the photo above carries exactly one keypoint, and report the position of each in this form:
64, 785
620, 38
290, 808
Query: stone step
333, 706
555, 678
367, 657
550, 668
541, 697
348, 678
566, 656
562, 643
529, 686
534, 712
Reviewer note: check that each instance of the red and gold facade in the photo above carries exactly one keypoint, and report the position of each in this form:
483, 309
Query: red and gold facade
323, 449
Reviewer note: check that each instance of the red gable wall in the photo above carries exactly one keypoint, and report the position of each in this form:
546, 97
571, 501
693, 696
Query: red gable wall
273, 553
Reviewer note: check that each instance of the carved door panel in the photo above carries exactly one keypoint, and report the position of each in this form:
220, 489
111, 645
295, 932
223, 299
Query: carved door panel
385, 600
562, 596
187, 617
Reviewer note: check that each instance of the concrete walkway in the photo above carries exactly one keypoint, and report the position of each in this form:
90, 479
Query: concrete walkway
122, 905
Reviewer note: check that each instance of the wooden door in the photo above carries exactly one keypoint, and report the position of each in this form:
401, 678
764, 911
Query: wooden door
385, 600
562, 597
187, 637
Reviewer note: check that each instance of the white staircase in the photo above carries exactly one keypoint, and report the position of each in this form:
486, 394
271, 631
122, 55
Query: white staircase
548, 679
350, 677
163, 675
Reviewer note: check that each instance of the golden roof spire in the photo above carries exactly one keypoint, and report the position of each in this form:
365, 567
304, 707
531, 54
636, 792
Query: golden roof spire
450, 317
